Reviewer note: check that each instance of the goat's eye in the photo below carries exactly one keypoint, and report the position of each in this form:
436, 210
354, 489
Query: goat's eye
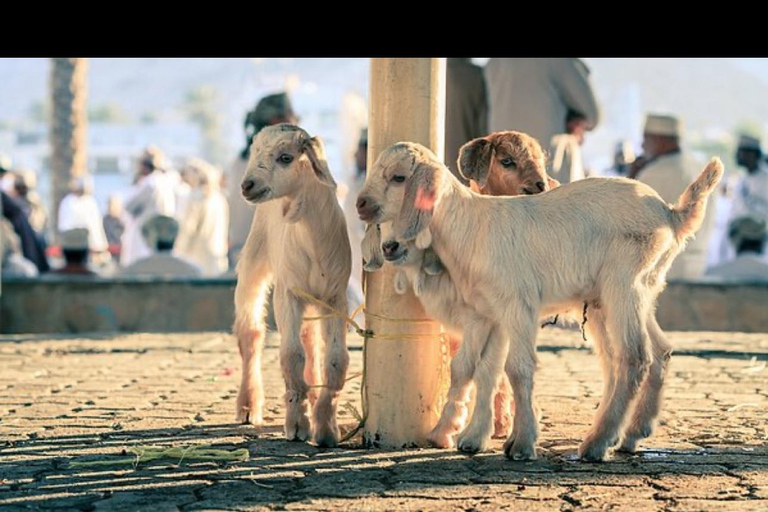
285, 158
398, 179
508, 162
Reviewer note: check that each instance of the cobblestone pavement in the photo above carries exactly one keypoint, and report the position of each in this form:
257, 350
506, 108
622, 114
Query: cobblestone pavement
86, 399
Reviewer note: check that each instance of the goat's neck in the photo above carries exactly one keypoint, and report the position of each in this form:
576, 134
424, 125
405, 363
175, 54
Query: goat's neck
455, 198
310, 205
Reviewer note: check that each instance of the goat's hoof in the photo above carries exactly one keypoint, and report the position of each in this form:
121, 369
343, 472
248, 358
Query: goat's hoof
440, 439
593, 451
245, 416
472, 444
326, 436
297, 430
520, 451
629, 444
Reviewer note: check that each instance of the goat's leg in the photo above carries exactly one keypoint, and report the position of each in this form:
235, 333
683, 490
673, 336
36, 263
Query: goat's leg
251, 291
521, 367
597, 330
288, 315
648, 403
502, 409
309, 340
454, 414
489, 368
626, 314
325, 428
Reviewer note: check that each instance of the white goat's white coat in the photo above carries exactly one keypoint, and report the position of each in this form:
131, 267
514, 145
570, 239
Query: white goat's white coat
606, 242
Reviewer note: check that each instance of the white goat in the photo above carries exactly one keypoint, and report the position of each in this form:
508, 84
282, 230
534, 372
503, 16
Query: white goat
432, 285
298, 239
604, 242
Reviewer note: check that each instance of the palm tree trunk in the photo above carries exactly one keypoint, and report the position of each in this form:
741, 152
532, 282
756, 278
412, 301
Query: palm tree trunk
69, 126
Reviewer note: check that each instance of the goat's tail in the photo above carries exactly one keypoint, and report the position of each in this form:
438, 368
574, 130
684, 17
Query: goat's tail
691, 207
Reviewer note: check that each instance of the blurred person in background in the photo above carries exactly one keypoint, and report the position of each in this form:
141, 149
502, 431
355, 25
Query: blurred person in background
25, 188
356, 227
150, 195
748, 235
666, 168
79, 209
203, 235
535, 95
466, 109
160, 232
32, 246
566, 163
14, 263
187, 182
751, 191
623, 156
270, 110
75, 244
114, 226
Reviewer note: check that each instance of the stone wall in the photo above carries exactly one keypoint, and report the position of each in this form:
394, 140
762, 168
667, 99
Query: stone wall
58, 304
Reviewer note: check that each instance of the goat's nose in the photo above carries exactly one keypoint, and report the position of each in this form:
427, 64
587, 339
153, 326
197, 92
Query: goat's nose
361, 203
541, 186
247, 185
390, 247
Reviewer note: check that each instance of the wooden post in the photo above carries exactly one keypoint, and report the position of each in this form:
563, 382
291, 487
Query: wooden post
405, 378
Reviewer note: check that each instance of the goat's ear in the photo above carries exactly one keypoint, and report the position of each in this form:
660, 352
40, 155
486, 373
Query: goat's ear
421, 191
373, 257
431, 263
552, 182
475, 160
424, 239
401, 282
315, 151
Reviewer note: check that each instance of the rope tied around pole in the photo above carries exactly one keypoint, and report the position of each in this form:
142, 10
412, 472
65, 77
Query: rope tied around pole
367, 334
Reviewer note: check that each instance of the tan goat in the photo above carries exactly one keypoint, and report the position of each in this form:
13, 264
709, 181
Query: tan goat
298, 241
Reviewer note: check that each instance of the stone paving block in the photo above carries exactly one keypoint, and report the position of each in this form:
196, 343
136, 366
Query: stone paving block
180, 390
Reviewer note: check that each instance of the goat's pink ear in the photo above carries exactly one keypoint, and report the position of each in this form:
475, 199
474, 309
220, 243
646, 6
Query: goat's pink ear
475, 160
315, 151
552, 182
421, 194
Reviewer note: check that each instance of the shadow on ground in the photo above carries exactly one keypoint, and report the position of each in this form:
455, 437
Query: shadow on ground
289, 475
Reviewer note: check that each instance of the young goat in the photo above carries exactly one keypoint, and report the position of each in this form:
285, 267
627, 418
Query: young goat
422, 271
604, 242
298, 239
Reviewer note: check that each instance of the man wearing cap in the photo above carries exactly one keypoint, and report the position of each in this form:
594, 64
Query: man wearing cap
152, 194
270, 110
535, 95
75, 244
160, 232
79, 209
748, 236
669, 170
751, 194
